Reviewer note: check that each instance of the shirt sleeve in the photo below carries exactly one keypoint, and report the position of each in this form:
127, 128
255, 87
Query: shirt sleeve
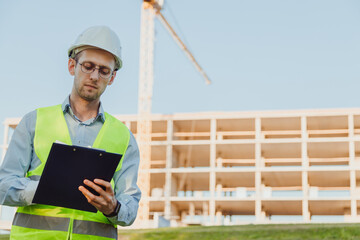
15, 188
126, 190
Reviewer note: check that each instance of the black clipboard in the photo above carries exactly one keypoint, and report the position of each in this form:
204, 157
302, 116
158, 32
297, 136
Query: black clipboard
65, 170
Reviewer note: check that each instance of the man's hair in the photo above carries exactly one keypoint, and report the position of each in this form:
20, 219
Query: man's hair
77, 56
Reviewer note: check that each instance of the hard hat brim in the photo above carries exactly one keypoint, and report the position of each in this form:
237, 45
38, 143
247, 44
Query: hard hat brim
72, 52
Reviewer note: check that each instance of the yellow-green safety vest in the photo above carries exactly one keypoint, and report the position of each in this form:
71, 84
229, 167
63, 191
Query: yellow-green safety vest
49, 222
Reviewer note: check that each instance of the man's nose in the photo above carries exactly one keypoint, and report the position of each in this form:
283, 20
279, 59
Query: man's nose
95, 74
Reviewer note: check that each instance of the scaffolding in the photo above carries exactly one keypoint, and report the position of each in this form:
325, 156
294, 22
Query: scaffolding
251, 167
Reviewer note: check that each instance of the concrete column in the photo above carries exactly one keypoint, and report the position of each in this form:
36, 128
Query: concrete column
168, 191
218, 217
174, 212
191, 210
351, 125
305, 211
205, 212
351, 141
211, 207
353, 210
258, 166
258, 194
304, 134
304, 141
353, 195
305, 170
305, 201
213, 145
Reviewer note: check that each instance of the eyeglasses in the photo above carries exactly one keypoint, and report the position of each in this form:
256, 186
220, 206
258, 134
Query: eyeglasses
89, 67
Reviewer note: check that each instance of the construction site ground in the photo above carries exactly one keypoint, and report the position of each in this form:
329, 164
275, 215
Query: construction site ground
269, 231
266, 232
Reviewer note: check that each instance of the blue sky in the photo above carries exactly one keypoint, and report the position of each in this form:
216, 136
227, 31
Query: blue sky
260, 54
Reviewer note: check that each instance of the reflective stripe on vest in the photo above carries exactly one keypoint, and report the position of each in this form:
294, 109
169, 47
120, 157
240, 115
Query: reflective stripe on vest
94, 228
62, 224
51, 126
41, 222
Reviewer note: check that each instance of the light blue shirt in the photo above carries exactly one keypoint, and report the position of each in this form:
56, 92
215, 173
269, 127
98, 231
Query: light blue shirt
18, 190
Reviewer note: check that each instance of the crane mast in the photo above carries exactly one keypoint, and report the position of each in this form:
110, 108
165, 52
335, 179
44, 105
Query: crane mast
150, 9
146, 80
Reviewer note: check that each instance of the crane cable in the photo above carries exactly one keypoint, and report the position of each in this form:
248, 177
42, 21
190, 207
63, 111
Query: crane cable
172, 15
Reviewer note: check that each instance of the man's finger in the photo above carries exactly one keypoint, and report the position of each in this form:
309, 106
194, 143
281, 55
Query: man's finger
98, 202
91, 198
105, 196
106, 184
86, 193
94, 186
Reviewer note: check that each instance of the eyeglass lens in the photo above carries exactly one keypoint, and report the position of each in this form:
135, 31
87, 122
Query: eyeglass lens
89, 67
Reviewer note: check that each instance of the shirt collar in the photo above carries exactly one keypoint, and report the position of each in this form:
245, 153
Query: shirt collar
66, 108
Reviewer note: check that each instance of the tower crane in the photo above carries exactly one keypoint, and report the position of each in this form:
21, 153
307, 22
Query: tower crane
150, 10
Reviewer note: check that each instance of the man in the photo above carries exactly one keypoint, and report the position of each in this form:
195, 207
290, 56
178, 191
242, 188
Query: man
94, 59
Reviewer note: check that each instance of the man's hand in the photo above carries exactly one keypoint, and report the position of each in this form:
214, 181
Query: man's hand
106, 202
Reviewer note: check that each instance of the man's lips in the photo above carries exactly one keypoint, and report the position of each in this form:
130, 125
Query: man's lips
91, 86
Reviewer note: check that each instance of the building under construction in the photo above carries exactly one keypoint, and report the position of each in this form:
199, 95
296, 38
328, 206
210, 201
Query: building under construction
248, 167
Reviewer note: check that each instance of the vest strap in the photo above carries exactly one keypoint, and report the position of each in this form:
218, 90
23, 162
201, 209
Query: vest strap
94, 228
62, 224
41, 222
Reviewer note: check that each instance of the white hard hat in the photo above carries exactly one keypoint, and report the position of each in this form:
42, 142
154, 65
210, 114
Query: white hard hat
100, 37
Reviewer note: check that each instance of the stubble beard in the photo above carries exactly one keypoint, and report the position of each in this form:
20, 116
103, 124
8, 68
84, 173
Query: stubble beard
88, 96
85, 93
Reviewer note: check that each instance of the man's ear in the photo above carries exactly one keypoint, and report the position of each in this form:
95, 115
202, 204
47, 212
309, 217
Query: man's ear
112, 78
71, 66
